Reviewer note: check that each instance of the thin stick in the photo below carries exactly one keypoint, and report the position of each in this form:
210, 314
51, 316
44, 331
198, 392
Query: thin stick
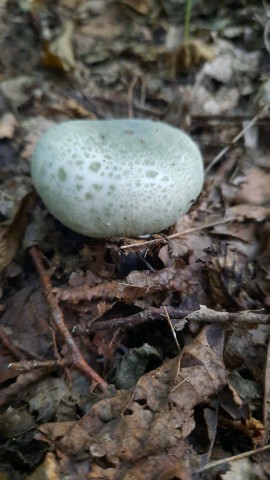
130, 96
29, 365
58, 320
236, 138
179, 234
153, 314
232, 459
172, 329
201, 227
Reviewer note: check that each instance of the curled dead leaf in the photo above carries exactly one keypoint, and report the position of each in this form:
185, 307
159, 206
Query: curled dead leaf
190, 54
11, 235
59, 52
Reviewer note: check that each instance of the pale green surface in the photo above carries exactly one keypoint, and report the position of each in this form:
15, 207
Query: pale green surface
117, 177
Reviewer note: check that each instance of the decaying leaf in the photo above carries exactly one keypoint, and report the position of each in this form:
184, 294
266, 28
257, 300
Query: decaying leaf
35, 127
48, 470
157, 413
133, 365
14, 422
190, 54
140, 6
12, 234
231, 278
255, 188
17, 91
59, 52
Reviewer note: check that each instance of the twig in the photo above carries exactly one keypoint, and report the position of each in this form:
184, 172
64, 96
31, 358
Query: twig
130, 96
246, 317
131, 88
232, 459
223, 152
202, 227
204, 315
179, 234
58, 320
151, 314
172, 329
29, 365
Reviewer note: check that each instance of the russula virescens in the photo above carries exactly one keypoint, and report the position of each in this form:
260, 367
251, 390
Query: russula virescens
109, 178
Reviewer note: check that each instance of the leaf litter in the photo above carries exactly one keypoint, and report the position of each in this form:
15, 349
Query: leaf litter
137, 358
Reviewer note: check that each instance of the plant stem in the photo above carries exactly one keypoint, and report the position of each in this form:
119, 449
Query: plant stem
187, 20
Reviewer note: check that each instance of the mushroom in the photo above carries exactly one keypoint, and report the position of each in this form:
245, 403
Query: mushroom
109, 178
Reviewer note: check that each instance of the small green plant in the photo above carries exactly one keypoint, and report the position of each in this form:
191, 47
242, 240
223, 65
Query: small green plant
187, 20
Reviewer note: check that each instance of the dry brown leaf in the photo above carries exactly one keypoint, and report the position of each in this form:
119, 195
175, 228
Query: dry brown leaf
242, 231
101, 474
105, 27
17, 90
137, 284
34, 127
250, 212
11, 235
48, 470
231, 278
141, 6
157, 414
189, 55
15, 421
71, 4
255, 188
23, 322
59, 52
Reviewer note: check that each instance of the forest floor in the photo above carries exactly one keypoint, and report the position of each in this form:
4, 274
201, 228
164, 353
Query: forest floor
126, 358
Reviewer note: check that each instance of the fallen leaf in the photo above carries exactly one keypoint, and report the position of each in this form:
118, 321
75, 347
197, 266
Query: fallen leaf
17, 90
47, 470
157, 413
8, 124
250, 212
255, 188
190, 54
11, 235
59, 51
238, 470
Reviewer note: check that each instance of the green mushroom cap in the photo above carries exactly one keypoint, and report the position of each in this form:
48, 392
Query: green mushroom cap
109, 178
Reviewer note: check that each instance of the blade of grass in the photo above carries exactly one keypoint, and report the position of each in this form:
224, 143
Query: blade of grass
187, 20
